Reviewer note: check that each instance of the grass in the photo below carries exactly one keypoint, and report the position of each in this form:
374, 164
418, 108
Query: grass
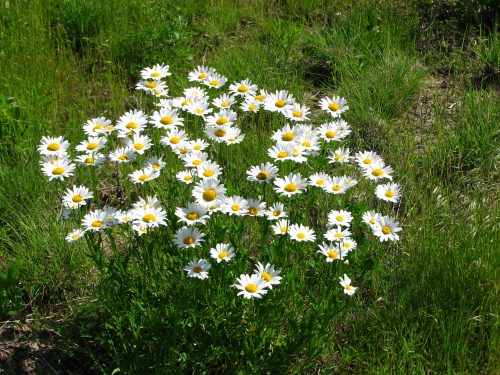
427, 305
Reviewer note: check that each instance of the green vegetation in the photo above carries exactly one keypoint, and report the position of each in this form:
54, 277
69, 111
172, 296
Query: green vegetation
422, 81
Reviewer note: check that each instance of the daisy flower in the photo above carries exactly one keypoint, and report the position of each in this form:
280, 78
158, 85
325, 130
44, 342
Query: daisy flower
198, 269
193, 214
268, 273
195, 159
250, 105
55, 158
187, 237
149, 202
58, 170
256, 207
75, 235
96, 126
153, 87
301, 233
335, 105
92, 144
276, 211
331, 251
337, 234
335, 185
166, 118
196, 93
173, 137
235, 138
91, 160
140, 143
346, 284
310, 143
243, 88
76, 197
287, 134
262, 173
96, 220
209, 169
225, 101
333, 131
253, 286
235, 205
186, 176
318, 179
131, 122
261, 96
123, 216
219, 133
155, 163
340, 155
141, 176
342, 218
200, 74
388, 192
215, 80
209, 192
297, 113
348, 244
370, 218
281, 226
279, 101
377, 171
52, 146
199, 107
386, 228
222, 252
151, 217
165, 103
157, 72
224, 117
290, 185
197, 145
282, 151
365, 158
122, 155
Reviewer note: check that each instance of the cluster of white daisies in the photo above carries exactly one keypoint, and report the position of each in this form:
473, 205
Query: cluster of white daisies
296, 141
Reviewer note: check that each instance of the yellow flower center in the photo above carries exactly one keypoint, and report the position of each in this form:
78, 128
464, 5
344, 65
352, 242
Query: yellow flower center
151, 85
290, 187
188, 178
378, 172
75, 236
235, 207
282, 154
77, 198
287, 136
97, 127
183, 151
202, 75
223, 255
199, 111
252, 107
301, 235
339, 157
143, 177
197, 147
276, 213
89, 160
332, 254
242, 88
297, 114
346, 245
320, 182
348, 287
260, 98
367, 161
339, 218
208, 173
221, 121
232, 139
155, 74
53, 147
389, 194
284, 229
148, 218
185, 102
166, 120
138, 146
306, 144
174, 140
266, 276
253, 211
330, 134
189, 240
209, 195
251, 288
92, 146
197, 162
224, 104
333, 107
214, 82
156, 166
193, 216
262, 176
220, 133
58, 171
280, 103
131, 125
110, 128
336, 187
157, 92
123, 157
96, 224
386, 230
371, 221
197, 269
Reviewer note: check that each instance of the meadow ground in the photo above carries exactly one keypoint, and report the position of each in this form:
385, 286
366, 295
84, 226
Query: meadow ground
421, 78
